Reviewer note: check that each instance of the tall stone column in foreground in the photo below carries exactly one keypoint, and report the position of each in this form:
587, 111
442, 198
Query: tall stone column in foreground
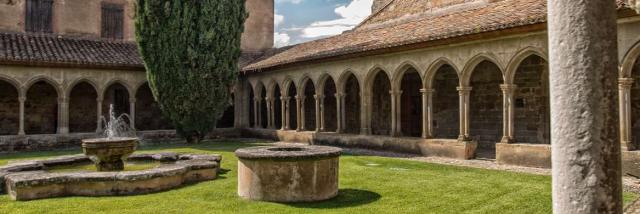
585, 149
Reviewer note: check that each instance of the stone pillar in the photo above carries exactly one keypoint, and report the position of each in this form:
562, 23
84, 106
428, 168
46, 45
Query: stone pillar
132, 112
586, 171
256, 112
319, 112
99, 115
464, 93
21, 99
299, 110
427, 113
270, 108
396, 129
285, 112
365, 114
624, 96
340, 125
508, 91
63, 115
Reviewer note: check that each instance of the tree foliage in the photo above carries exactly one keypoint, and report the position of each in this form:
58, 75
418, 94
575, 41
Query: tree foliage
191, 50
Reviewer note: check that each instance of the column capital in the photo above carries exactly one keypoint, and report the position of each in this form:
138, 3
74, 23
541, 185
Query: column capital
318, 96
340, 95
625, 82
395, 92
132, 100
427, 90
99, 99
298, 97
508, 87
22, 99
257, 99
268, 99
463, 90
63, 100
283, 98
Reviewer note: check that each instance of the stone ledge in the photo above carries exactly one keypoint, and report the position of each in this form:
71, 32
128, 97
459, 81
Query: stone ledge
288, 153
529, 155
449, 148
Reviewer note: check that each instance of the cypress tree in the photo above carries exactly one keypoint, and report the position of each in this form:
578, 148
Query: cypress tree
190, 49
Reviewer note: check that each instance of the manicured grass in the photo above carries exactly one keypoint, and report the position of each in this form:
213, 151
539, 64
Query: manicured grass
367, 185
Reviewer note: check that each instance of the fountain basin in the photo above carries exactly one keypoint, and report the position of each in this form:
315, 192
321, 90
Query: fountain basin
29, 180
288, 173
109, 154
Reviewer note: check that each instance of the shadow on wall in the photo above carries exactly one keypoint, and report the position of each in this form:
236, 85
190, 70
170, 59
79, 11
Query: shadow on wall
345, 198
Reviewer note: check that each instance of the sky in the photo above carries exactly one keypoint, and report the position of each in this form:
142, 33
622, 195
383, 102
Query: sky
299, 21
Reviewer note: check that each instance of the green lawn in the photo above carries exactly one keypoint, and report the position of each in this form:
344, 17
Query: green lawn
367, 185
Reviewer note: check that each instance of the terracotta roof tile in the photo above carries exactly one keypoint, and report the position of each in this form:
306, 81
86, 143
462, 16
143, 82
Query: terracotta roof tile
395, 29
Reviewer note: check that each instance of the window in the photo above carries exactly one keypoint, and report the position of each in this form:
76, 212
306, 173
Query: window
38, 16
112, 21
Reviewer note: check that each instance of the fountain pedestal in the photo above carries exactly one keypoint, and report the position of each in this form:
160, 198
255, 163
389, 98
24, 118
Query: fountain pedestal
109, 154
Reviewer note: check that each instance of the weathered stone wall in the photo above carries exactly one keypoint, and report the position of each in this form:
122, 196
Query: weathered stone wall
486, 105
41, 109
446, 113
352, 105
9, 109
83, 108
411, 104
531, 99
381, 105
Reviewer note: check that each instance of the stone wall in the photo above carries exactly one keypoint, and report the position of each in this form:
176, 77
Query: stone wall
9, 109
531, 101
41, 109
446, 113
486, 105
83, 108
381, 105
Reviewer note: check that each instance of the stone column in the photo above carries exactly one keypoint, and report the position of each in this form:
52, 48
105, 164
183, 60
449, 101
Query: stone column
395, 112
624, 96
583, 61
269, 101
427, 113
63, 115
299, 110
365, 114
284, 111
99, 115
319, 112
508, 91
256, 112
339, 112
464, 93
132, 112
287, 113
21, 99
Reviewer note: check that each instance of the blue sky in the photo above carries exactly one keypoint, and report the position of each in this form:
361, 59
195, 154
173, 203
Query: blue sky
299, 21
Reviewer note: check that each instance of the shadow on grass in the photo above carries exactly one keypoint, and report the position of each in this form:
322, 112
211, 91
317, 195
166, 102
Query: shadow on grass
345, 198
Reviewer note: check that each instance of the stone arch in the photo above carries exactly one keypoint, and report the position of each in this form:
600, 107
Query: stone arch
410, 101
435, 67
77, 81
82, 94
473, 63
302, 84
11, 81
344, 77
118, 81
57, 86
276, 94
138, 86
531, 100
117, 93
327, 88
308, 91
351, 107
444, 80
10, 103
285, 85
378, 88
148, 113
41, 106
629, 60
517, 60
485, 120
400, 72
292, 91
261, 92
271, 86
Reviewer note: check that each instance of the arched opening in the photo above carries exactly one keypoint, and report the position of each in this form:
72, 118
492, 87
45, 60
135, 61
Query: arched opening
117, 96
329, 107
381, 104
351, 105
309, 106
228, 117
635, 104
263, 108
411, 104
9, 109
486, 108
446, 108
83, 108
148, 113
277, 107
531, 101
293, 113
252, 110
41, 109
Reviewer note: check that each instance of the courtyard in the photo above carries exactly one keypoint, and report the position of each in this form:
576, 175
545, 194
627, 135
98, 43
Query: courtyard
367, 184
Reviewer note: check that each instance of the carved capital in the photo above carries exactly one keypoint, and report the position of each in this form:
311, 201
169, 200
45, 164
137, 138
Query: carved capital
340, 95
634, 4
22, 99
464, 90
625, 83
427, 91
395, 92
318, 97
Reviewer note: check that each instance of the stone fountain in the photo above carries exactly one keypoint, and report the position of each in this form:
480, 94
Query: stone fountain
109, 153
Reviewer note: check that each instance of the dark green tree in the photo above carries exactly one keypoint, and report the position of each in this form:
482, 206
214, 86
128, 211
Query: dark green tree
190, 49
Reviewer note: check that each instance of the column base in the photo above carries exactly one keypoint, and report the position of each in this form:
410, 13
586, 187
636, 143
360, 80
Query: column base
506, 140
464, 138
628, 146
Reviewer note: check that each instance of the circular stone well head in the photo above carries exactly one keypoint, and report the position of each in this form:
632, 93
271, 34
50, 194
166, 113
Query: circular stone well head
288, 173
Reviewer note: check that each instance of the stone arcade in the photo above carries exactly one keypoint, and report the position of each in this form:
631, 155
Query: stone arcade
456, 78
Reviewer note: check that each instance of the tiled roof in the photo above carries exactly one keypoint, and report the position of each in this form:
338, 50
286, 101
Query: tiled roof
396, 28
53, 50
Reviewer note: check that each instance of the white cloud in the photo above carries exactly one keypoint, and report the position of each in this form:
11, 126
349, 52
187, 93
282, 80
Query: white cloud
350, 16
278, 19
281, 39
289, 1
